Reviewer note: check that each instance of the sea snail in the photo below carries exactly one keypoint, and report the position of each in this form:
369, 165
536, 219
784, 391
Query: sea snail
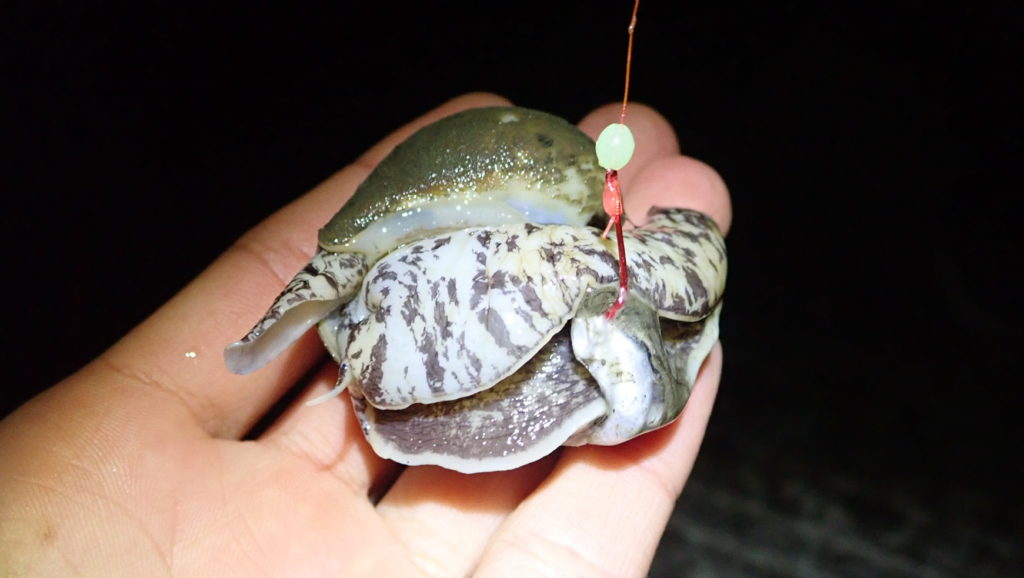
463, 294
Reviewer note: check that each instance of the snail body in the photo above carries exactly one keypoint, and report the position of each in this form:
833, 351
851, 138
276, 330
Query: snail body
462, 293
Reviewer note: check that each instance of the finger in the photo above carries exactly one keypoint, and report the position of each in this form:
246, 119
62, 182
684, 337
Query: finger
603, 510
680, 181
658, 175
178, 351
329, 435
446, 519
653, 135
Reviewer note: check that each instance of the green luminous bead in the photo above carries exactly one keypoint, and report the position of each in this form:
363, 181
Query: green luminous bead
615, 146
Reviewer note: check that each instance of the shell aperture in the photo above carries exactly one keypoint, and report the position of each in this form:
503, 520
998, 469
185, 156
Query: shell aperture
476, 339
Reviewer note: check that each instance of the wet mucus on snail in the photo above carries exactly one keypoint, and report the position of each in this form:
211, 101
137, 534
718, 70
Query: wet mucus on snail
463, 292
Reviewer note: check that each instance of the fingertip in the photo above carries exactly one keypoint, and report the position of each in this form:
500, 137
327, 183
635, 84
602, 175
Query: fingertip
600, 117
658, 175
476, 100
680, 181
653, 134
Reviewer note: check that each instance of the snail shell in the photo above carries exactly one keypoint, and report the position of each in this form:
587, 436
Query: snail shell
463, 295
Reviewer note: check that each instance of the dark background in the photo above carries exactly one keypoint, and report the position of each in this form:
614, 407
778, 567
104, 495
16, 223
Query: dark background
869, 417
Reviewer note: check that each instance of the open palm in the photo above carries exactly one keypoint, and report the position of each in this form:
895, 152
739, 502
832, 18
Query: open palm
136, 465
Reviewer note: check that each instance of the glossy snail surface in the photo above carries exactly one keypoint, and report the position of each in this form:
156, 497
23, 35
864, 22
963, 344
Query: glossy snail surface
463, 294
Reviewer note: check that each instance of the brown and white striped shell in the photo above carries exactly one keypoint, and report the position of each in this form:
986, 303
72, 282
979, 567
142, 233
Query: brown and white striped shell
463, 294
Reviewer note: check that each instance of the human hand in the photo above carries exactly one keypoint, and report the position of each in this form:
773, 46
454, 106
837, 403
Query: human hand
136, 464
